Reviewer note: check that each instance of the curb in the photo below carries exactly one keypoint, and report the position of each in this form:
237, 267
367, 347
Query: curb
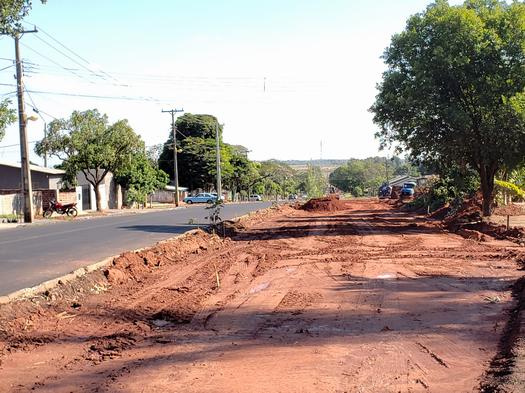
26, 293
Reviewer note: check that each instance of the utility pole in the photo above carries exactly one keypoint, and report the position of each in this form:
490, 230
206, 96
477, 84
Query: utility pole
175, 168
218, 153
27, 190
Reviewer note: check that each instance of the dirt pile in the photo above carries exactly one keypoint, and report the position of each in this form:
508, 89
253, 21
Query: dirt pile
329, 204
135, 265
467, 219
469, 212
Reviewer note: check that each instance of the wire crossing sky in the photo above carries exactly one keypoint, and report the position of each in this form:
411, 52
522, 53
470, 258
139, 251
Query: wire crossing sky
281, 75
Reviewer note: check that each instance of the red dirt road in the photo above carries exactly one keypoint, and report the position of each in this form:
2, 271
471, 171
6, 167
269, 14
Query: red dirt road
367, 299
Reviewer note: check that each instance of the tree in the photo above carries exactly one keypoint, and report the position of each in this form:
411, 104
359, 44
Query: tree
87, 143
243, 173
12, 12
7, 116
140, 178
453, 92
196, 151
276, 178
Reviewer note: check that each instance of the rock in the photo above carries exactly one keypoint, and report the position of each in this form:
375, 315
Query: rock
115, 276
471, 234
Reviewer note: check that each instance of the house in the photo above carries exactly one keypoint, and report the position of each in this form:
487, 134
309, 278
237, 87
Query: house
398, 181
167, 195
110, 191
46, 184
41, 178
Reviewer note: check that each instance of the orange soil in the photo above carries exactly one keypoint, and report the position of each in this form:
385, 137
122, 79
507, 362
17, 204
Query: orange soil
366, 299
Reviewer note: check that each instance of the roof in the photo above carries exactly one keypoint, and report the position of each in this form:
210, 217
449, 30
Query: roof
172, 188
34, 168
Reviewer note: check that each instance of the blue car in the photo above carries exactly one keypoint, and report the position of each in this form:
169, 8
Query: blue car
203, 197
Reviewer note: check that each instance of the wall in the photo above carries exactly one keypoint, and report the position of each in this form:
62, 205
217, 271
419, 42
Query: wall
10, 178
12, 203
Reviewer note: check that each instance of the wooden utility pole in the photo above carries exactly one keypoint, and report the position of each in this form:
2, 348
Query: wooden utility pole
175, 167
27, 190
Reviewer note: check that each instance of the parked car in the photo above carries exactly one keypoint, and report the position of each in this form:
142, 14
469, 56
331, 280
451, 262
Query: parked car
203, 197
255, 197
292, 197
408, 189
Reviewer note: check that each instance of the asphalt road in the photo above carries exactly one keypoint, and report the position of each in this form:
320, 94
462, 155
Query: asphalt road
30, 255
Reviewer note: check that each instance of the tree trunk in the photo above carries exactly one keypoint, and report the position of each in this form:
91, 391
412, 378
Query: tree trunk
486, 175
98, 198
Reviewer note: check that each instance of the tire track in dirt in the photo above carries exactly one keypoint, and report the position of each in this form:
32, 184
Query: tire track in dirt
365, 299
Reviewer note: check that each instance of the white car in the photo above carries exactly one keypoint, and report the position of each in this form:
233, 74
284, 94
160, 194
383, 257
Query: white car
255, 197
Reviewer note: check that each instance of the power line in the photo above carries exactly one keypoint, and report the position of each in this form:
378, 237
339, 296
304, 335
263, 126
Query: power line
58, 64
16, 145
37, 110
74, 53
70, 58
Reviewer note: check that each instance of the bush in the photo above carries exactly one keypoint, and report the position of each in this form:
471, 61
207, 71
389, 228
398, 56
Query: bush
509, 188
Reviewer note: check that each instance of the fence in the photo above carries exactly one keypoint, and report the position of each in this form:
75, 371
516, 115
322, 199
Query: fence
11, 203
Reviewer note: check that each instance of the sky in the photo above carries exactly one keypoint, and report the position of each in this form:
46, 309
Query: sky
285, 77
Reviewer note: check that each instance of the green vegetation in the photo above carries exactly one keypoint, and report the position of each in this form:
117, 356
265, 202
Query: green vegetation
7, 116
140, 178
12, 12
454, 90
510, 188
196, 155
364, 177
87, 143
312, 182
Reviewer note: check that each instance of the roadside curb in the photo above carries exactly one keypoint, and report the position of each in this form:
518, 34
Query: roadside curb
27, 293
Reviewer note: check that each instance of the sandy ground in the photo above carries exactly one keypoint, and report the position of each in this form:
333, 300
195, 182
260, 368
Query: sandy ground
368, 299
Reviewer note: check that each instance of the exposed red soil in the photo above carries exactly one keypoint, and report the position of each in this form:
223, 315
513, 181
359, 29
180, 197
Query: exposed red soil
365, 299
329, 203
509, 210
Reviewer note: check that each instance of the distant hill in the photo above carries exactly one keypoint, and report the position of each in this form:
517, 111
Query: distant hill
321, 163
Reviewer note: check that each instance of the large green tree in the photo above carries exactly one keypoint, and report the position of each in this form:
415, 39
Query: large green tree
453, 91
86, 142
196, 151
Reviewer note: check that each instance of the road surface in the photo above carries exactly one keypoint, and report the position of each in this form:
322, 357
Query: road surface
30, 255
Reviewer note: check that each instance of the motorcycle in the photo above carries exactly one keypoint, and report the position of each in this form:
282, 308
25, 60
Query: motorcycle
69, 209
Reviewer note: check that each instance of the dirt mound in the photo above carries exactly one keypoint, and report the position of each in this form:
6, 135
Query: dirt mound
468, 212
135, 265
468, 217
330, 203
509, 210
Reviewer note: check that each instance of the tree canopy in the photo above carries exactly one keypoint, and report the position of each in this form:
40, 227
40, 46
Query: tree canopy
86, 142
7, 117
12, 12
453, 92
140, 177
364, 176
195, 149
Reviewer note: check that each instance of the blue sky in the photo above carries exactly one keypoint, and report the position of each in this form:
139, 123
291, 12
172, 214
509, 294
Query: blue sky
281, 75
